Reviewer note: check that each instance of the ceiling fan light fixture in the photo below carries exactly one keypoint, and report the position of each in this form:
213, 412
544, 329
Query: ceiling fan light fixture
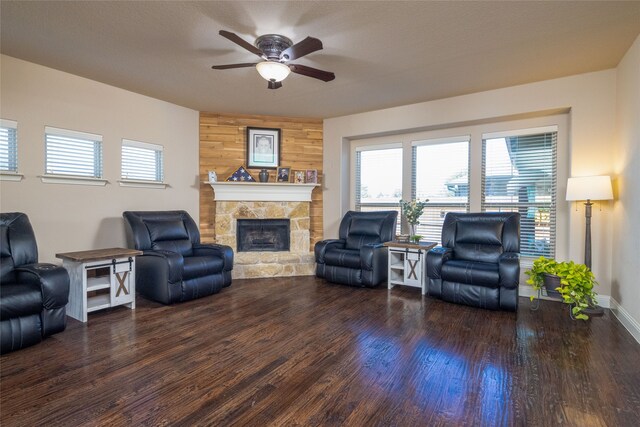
273, 71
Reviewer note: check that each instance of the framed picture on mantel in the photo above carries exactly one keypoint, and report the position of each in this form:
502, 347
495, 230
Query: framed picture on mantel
263, 148
298, 176
312, 176
283, 174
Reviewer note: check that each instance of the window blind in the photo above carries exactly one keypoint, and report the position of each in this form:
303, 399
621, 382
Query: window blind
440, 173
519, 175
8, 146
142, 161
73, 153
378, 180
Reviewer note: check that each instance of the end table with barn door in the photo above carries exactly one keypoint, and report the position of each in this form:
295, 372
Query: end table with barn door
100, 279
407, 264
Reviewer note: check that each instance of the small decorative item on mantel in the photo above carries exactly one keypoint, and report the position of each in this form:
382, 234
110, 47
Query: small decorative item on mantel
283, 174
311, 176
412, 212
241, 175
213, 177
298, 176
263, 176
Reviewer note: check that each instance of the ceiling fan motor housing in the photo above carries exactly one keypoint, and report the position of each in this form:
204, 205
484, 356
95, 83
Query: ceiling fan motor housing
272, 45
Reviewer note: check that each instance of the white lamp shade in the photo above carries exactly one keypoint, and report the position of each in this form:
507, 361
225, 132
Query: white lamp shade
273, 71
589, 188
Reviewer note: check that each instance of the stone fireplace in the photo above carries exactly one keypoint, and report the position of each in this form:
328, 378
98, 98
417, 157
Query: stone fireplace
237, 201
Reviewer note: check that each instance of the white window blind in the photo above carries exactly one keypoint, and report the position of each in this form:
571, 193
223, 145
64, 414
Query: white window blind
519, 175
8, 146
73, 153
378, 180
142, 161
440, 173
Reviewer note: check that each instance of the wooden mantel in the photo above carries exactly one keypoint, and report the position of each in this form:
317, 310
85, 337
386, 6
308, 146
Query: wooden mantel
261, 191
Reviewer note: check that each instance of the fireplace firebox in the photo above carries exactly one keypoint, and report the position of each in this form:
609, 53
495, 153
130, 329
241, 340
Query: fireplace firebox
263, 235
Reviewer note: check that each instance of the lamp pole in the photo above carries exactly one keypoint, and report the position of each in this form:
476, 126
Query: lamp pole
594, 310
587, 234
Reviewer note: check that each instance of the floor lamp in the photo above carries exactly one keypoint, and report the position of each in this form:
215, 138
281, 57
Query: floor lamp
589, 188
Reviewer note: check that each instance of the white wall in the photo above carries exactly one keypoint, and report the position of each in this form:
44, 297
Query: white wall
77, 217
626, 250
589, 98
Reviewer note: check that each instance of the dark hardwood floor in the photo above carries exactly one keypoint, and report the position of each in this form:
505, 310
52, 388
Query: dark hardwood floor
300, 351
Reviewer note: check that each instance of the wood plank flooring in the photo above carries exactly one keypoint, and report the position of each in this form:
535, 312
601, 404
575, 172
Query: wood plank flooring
301, 352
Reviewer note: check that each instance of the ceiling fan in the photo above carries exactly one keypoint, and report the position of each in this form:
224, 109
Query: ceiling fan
275, 51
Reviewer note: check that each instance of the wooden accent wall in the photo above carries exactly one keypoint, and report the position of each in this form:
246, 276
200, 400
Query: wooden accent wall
223, 149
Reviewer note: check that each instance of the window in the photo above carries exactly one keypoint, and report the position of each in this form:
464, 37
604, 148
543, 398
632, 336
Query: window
8, 146
141, 161
440, 173
481, 169
519, 175
73, 153
378, 178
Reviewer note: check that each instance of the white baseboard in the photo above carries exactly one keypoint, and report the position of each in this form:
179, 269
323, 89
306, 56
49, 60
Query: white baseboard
527, 291
626, 319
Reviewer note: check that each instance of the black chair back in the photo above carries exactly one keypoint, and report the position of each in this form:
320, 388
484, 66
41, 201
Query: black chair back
481, 236
173, 231
362, 228
17, 244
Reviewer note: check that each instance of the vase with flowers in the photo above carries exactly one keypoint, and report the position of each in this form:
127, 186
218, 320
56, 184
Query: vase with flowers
412, 211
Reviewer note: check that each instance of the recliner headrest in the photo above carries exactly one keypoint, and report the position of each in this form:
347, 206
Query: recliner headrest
365, 226
161, 230
485, 232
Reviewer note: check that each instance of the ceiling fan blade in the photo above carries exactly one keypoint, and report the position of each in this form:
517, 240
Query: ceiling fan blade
301, 49
226, 67
274, 85
312, 72
240, 42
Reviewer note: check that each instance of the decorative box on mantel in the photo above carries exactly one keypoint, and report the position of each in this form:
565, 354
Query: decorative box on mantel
266, 200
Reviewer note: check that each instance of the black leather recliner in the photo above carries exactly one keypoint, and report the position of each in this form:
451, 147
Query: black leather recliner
33, 296
479, 261
358, 257
174, 266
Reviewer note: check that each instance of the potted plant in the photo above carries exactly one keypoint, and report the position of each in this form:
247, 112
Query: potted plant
543, 273
574, 282
412, 212
577, 288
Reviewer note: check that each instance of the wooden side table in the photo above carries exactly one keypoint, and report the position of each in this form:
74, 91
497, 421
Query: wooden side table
408, 264
100, 279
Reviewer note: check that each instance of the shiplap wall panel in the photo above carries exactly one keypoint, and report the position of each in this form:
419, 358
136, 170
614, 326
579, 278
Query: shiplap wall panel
223, 149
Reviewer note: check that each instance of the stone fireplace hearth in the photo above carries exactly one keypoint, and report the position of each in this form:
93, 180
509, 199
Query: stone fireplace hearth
298, 261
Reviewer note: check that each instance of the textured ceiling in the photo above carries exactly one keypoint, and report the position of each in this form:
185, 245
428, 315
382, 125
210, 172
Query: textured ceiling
384, 53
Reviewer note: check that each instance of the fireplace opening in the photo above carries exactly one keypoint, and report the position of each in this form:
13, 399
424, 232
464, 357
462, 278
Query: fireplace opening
262, 235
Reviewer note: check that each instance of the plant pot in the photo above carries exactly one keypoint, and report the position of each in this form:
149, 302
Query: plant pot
551, 282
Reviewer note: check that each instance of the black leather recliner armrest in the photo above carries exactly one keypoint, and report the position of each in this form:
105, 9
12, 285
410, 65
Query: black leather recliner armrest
435, 258
52, 279
321, 248
213, 249
173, 260
373, 255
509, 269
